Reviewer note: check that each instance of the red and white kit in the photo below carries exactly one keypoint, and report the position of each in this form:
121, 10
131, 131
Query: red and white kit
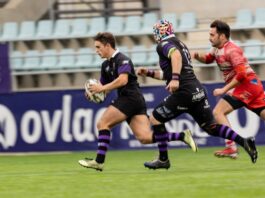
233, 63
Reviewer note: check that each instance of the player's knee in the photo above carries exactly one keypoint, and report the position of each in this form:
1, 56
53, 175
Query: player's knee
102, 125
144, 138
210, 128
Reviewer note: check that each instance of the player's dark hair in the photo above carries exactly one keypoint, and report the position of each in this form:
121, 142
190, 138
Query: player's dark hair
105, 38
221, 28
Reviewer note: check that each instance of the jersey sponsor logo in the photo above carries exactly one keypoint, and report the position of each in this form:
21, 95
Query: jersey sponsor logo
125, 62
8, 130
199, 95
182, 108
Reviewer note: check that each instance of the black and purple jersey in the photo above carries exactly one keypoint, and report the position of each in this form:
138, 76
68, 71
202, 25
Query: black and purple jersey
111, 69
164, 50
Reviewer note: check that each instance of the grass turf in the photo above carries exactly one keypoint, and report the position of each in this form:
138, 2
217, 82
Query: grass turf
191, 175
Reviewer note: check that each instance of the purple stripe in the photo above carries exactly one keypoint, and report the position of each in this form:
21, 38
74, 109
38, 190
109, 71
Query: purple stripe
103, 144
104, 137
222, 130
227, 132
162, 136
103, 80
101, 152
166, 49
174, 136
234, 136
124, 69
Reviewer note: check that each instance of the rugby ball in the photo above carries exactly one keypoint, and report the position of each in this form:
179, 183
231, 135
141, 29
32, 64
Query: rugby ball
97, 97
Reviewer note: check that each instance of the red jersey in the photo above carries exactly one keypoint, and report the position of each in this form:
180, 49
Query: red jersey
228, 58
234, 64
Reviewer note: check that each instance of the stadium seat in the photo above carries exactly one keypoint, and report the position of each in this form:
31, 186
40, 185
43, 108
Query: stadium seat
27, 30
44, 29
49, 59
66, 59
259, 17
139, 55
32, 60
124, 49
187, 21
171, 17
10, 31
152, 57
132, 25
244, 18
97, 61
62, 28
115, 25
253, 51
96, 25
79, 27
16, 60
149, 19
84, 57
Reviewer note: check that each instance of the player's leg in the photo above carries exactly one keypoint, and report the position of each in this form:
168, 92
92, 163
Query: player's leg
202, 114
110, 117
221, 110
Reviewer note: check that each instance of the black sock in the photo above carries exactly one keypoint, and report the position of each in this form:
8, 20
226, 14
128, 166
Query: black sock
161, 137
227, 133
103, 144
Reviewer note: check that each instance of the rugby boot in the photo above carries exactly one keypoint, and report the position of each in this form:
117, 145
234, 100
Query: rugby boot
189, 140
227, 152
91, 163
250, 147
157, 164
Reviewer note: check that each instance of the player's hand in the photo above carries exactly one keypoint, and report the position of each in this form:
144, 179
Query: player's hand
195, 55
218, 92
173, 86
142, 71
96, 88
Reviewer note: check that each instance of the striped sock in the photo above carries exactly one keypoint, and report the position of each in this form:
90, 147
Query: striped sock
161, 137
228, 133
103, 144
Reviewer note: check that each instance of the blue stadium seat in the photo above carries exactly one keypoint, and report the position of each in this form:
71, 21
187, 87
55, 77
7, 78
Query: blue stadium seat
187, 21
79, 27
244, 18
16, 60
149, 19
66, 59
152, 57
84, 57
49, 59
62, 28
139, 55
96, 25
171, 17
97, 61
259, 17
32, 60
115, 25
10, 31
132, 25
253, 51
44, 29
27, 30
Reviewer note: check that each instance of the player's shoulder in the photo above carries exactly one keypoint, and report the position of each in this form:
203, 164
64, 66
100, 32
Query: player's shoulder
232, 47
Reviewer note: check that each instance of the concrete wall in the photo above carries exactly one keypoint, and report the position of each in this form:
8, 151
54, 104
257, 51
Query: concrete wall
18, 10
210, 8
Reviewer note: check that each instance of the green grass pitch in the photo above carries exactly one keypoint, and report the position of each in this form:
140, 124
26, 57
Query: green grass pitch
191, 175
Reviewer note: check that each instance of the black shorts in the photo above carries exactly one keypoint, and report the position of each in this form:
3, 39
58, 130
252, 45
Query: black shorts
131, 105
185, 102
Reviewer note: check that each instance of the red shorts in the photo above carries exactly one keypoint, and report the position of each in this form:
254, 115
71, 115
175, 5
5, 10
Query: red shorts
250, 92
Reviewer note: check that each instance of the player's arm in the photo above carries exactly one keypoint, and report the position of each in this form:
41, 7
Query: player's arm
118, 82
176, 63
232, 84
203, 57
156, 74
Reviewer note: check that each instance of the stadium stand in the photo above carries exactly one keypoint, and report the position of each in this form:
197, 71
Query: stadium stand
65, 45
